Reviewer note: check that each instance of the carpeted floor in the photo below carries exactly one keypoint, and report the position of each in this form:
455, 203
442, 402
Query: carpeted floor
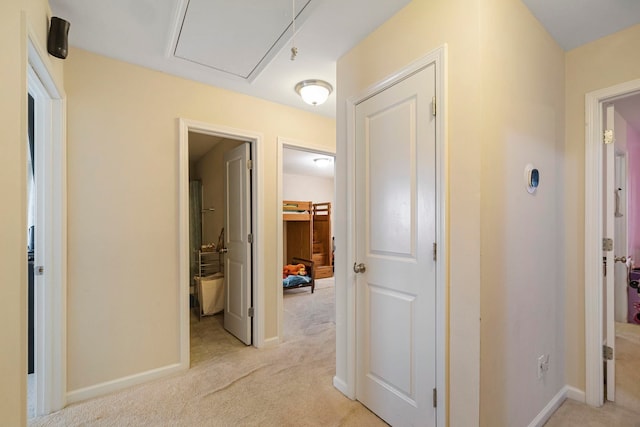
230, 384
625, 412
575, 414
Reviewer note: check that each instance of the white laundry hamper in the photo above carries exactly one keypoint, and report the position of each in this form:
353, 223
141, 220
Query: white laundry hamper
211, 293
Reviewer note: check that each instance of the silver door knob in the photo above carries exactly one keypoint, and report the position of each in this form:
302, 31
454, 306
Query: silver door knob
223, 250
359, 268
620, 259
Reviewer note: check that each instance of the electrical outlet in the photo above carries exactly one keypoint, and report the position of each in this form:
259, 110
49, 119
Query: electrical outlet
543, 365
540, 366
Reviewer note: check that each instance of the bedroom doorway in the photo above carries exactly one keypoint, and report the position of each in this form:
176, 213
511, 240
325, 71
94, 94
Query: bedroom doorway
218, 256
622, 307
306, 199
612, 301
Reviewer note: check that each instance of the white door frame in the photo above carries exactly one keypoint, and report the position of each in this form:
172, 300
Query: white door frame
257, 202
347, 276
51, 182
297, 145
594, 193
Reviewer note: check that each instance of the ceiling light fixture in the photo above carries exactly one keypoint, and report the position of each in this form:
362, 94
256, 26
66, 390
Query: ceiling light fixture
322, 161
314, 92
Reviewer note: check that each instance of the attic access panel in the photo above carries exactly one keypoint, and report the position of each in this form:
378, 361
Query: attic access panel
237, 37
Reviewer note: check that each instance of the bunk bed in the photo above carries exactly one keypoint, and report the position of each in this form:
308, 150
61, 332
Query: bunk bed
322, 249
307, 234
298, 229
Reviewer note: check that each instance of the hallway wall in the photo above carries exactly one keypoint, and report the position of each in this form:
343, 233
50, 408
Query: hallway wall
123, 306
600, 64
18, 17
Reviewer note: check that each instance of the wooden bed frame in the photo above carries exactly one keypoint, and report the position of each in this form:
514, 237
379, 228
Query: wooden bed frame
309, 266
307, 234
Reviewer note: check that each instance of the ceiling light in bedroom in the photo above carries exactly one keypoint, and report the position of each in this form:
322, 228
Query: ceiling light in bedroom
314, 92
322, 162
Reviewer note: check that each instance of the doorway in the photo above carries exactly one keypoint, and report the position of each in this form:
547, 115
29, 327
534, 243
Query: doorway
211, 248
306, 174
622, 308
207, 266
307, 179
46, 148
361, 352
610, 197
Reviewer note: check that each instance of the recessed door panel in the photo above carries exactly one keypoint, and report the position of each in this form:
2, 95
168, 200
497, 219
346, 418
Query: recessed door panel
391, 170
391, 343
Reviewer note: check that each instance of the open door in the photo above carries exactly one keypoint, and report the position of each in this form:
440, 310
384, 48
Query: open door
609, 256
620, 245
237, 241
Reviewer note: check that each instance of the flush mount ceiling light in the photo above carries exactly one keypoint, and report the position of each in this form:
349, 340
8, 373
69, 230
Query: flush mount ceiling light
314, 92
322, 161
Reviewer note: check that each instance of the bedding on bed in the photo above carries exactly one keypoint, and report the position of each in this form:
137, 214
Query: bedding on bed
295, 280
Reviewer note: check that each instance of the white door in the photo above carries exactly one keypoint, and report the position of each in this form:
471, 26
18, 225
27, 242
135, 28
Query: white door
609, 230
620, 247
395, 236
237, 260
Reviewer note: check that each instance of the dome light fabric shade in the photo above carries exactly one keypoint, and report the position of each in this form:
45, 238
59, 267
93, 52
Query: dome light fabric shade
314, 92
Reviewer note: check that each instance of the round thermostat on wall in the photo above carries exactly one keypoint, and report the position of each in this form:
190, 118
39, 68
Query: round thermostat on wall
531, 178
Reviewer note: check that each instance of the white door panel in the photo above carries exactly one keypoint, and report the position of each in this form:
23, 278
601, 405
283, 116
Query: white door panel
609, 309
620, 239
396, 200
238, 257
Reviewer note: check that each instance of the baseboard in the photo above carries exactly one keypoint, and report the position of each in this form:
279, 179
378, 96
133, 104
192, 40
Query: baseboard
121, 383
576, 394
271, 342
342, 387
551, 407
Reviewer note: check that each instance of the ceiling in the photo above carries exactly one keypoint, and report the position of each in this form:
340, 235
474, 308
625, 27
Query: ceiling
221, 42
301, 162
573, 23
244, 45
629, 108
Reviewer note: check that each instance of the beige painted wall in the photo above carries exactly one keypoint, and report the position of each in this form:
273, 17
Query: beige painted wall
413, 32
603, 63
522, 297
13, 170
123, 313
505, 108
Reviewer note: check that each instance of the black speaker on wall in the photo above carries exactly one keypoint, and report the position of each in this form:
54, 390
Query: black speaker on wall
57, 43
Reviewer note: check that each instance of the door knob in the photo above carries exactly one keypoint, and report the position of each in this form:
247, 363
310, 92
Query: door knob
620, 259
223, 250
359, 268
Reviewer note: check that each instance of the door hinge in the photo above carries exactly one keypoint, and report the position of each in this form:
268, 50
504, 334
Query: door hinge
435, 111
607, 244
435, 251
250, 312
250, 164
435, 398
607, 352
250, 238
607, 137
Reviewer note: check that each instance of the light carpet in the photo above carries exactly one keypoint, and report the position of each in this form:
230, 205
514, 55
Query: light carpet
625, 412
233, 385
